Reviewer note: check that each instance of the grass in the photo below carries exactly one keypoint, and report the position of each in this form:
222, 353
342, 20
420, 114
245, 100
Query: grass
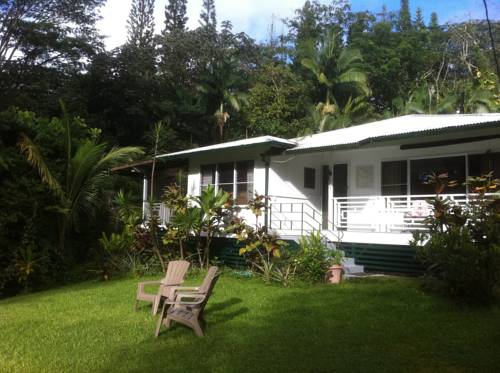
386, 325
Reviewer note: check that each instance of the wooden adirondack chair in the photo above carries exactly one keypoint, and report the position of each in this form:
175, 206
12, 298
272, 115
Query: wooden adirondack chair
189, 304
174, 277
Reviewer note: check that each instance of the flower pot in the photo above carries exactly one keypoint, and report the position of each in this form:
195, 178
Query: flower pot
335, 274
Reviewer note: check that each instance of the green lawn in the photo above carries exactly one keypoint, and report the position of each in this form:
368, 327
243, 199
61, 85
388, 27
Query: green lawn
387, 325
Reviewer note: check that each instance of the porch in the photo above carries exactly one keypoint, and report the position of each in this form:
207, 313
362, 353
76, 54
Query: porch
358, 219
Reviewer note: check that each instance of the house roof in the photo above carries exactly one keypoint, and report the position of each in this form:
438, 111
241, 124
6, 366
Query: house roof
270, 141
403, 126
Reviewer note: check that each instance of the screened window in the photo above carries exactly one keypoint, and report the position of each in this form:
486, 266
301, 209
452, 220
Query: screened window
421, 169
394, 178
226, 177
244, 182
482, 164
235, 178
207, 175
309, 178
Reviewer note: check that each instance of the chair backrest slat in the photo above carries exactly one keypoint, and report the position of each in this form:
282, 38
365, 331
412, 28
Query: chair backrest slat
209, 277
176, 270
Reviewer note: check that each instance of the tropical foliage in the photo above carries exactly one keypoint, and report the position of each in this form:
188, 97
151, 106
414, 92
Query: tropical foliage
462, 248
332, 68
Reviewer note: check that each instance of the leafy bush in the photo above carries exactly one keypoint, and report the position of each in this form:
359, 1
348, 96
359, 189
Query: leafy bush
314, 258
264, 250
462, 246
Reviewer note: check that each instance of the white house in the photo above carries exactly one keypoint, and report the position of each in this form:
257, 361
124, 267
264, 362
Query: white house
362, 185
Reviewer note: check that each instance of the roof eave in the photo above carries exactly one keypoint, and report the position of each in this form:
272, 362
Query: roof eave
380, 139
286, 144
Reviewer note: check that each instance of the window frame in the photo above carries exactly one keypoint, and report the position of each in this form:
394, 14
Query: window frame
311, 185
407, 176
235, 182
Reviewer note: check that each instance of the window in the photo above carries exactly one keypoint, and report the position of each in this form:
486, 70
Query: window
244, 182
226, 177
420, 170
481, 164
394, 178
207, 175
235, 178
309, 178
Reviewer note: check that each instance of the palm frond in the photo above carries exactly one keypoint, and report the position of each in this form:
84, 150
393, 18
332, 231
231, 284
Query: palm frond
312, 65
35, 158
349, 57
233, 101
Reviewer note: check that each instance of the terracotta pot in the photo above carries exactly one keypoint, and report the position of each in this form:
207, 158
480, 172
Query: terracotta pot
335, 274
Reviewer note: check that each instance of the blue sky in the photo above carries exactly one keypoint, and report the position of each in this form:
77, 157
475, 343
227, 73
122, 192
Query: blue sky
254, 16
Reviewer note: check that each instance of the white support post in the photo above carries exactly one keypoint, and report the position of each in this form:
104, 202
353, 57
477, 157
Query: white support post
144, 197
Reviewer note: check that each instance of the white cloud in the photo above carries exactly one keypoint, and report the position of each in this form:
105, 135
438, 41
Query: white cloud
250, 16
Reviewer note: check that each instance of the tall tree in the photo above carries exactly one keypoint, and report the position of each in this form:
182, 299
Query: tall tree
175, 16
419, 19
42, 45
434, 23
47, 32
208, 19
84, 175
404, 21
141, 24
338, 70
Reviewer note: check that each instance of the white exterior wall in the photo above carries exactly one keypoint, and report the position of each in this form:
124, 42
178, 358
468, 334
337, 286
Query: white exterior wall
287, 172
286, 177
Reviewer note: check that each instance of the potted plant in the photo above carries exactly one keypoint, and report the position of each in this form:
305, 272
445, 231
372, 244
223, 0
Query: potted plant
335, 272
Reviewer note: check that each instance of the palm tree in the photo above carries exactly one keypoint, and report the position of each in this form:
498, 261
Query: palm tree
211, 204
466, 99
232, 99
220, 86
338, 69
86, 172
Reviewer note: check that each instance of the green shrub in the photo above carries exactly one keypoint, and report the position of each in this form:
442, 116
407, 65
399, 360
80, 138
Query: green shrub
462, 246
314, 258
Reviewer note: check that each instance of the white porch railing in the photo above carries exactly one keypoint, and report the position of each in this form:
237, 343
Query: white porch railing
158, 209
385, 214
293, 216
375, 214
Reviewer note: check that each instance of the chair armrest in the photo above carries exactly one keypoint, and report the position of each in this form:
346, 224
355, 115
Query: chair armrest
141, 285
171, 283
178, 300
187, 288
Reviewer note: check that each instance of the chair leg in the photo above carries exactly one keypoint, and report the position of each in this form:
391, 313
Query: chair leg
156, 305
160, 320
197, 329
136, 306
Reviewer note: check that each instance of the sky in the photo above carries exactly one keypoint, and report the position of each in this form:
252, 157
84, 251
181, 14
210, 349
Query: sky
254, 16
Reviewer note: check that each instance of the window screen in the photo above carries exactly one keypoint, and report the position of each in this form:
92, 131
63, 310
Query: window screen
244, 182
394, 178
207, 175
482, 164
232, 177
309, 178
420, 170
226, 177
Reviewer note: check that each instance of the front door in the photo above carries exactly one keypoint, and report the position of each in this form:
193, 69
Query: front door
325, 182
340, 180
340, 186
